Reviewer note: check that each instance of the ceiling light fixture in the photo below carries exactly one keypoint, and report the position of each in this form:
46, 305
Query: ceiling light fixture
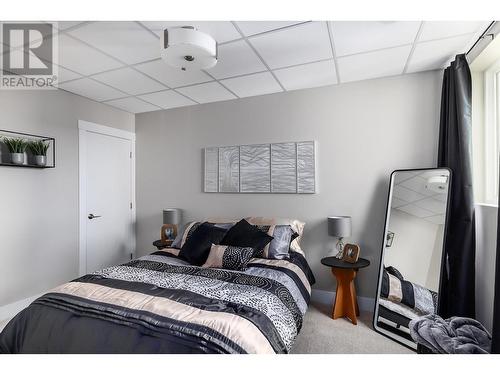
187, 48
437, 184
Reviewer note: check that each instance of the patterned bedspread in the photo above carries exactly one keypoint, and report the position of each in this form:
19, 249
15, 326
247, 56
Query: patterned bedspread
161, 304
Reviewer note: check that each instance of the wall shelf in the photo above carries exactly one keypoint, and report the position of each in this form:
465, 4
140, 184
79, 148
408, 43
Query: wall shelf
29, 160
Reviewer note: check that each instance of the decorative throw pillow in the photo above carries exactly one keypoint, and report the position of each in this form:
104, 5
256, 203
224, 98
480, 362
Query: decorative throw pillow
196, 248
184, 234
296, 225
279, 247
229, 257
243, 234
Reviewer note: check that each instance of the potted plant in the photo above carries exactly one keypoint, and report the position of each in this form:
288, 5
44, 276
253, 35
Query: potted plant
39, 151
17, 147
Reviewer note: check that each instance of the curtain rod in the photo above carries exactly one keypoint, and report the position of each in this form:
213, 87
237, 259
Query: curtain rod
485, 33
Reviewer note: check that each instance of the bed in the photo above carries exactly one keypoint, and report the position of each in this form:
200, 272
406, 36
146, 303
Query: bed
160, 303
402, 300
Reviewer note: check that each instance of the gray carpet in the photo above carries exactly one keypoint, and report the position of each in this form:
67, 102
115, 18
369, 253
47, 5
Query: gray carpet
321, 334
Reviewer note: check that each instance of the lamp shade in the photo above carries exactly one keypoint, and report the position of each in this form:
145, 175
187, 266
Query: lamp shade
172, 216
339, 226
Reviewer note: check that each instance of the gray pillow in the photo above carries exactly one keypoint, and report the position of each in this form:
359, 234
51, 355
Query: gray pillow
279, 247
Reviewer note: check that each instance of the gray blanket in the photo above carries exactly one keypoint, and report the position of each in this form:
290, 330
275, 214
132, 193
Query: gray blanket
455, 335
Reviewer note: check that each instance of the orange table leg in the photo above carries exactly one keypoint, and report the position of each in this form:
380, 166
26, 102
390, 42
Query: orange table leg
355, 297
346, 304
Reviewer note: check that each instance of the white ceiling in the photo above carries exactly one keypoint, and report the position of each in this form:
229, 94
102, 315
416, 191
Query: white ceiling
118, 63
411, 196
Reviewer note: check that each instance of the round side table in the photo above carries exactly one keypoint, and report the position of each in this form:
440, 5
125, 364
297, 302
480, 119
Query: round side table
346, 302
161, 245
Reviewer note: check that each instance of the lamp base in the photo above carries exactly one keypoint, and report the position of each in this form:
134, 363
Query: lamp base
339, 248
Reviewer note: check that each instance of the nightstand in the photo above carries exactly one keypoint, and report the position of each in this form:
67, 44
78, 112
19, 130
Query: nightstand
162, 245
346, 303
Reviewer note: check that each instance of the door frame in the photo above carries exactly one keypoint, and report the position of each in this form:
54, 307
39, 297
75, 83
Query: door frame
85, 127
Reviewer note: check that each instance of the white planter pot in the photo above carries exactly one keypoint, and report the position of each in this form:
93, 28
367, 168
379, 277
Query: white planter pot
40, 160
17, 158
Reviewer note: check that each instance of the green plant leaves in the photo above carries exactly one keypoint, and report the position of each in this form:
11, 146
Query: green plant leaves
38, 147
15, 145
19, 145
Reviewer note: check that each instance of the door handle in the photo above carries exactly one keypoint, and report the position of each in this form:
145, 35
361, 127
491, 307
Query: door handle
92, 216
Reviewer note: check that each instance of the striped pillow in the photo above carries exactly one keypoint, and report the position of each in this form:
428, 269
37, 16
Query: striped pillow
228, 257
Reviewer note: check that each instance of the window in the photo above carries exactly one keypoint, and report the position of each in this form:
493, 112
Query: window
486, 133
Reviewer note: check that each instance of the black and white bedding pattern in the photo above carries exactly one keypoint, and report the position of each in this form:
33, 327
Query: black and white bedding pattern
161, 304
396, 289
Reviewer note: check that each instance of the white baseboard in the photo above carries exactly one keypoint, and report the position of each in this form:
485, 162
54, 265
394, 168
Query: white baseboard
326, 297
10, 310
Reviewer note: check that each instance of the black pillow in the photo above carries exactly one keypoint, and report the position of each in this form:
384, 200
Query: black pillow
244, 234
197, 247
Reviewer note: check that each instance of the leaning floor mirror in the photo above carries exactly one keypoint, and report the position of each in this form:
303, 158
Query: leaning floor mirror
412, 252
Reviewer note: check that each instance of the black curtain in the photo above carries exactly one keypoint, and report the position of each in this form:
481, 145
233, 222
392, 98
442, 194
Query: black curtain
457, 294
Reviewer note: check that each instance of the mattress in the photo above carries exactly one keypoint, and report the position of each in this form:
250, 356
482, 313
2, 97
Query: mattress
161, 304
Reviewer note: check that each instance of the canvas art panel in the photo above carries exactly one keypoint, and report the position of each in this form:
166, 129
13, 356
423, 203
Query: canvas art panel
255, 168
287, 167
229, 169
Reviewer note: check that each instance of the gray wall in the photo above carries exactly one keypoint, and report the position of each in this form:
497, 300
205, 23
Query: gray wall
363, 131
39, 208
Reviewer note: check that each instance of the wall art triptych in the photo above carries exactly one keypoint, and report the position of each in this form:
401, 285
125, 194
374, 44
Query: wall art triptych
262, 168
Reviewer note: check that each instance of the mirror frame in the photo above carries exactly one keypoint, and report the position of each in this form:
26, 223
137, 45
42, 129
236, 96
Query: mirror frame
393, 336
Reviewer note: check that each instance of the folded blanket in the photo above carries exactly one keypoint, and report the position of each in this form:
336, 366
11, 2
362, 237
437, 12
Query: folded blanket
455, 335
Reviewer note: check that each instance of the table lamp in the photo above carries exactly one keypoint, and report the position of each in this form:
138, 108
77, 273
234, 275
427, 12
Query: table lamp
340, 227
171, 218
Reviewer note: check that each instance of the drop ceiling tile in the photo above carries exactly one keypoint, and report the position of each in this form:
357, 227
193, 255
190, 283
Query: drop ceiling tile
167, 99
417, 184
433, 205
80, 58
234, 59
362, 36
296, 45
441, 197
66, 75
64, 25
406, 195
383, 63
127, 41
170, 76
221, 31
310, 75
249, 28
91, 89
397, 202
207, 92
132, 105
130, 81
402, 176
438, 219
252, 85
435, 54
444, 29
415, 211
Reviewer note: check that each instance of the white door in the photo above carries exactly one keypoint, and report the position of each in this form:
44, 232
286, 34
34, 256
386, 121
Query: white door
106, 199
